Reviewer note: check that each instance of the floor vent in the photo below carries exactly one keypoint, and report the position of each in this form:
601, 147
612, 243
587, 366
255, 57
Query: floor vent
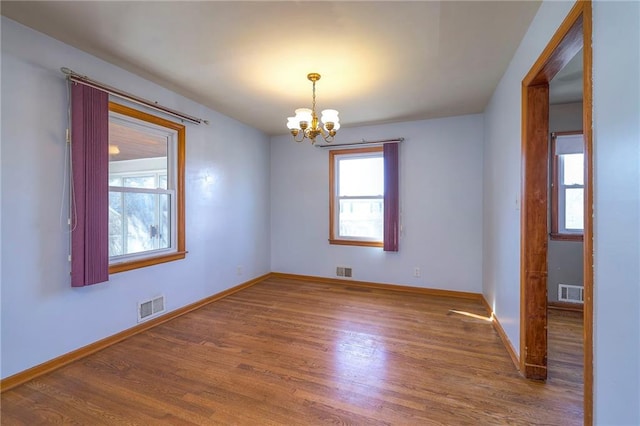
150, 308
341, 271
570, 293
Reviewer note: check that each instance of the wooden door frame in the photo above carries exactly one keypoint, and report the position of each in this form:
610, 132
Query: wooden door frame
573, 34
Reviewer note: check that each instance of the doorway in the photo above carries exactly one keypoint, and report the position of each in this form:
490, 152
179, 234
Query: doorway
572, 35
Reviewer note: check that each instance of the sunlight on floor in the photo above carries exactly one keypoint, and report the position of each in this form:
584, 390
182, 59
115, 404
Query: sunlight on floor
469, 314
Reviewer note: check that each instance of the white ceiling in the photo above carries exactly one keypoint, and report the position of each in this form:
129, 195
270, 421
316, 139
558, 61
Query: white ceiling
566, 86
380, 61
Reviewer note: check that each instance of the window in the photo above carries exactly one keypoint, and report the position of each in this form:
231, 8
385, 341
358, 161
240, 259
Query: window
146, 185
567, 199
364, 206
357, 196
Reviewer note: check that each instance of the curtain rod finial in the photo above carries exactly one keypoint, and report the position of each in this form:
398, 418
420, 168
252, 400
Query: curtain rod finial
66, 70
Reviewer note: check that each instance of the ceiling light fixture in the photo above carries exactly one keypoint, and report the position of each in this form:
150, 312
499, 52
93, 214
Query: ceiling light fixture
306, 121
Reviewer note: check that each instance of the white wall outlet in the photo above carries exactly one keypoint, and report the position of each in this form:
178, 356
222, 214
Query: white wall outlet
416, 272
239, 270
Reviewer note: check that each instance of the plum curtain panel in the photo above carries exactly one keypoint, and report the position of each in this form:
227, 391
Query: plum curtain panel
90, 185
391, 197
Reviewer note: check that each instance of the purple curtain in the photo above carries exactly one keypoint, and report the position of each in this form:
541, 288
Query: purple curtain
90, 196
391, 197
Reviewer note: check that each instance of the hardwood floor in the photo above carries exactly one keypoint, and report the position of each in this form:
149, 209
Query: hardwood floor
566, 349
296, 353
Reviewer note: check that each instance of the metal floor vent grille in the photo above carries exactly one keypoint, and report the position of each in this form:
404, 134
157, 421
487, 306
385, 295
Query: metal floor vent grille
570, 293
150, 308
341, 271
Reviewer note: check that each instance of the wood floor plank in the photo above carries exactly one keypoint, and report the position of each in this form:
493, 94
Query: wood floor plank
288, 351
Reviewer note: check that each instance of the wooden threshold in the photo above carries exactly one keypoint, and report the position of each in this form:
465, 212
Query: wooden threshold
53, 364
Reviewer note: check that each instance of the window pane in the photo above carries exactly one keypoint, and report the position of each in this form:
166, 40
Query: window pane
116, 225
573, 169
162, 181
138, 153
131, 142
138, 222
361, 218
574, 209
361, 176
164, 228
140, 182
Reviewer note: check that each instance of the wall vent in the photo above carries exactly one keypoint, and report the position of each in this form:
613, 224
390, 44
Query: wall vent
570, 293
150, 308
341, 271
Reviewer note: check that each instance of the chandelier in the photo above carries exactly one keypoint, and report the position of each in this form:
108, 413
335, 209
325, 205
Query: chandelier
306, 122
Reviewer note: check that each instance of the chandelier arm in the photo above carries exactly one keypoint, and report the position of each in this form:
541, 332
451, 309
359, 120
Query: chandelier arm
326, 136
301, 139
312, 134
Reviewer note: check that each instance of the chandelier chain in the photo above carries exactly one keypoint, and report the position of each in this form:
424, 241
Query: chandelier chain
313, 106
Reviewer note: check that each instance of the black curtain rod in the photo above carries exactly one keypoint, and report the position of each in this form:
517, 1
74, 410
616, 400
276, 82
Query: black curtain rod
362, 142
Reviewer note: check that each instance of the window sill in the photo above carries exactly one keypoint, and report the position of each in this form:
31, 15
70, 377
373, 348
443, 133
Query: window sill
356, 243
566, 237
149, 261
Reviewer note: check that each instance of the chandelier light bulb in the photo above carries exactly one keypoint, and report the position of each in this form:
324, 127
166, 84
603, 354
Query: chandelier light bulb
330, 116
304, 114
293, 123
335, 128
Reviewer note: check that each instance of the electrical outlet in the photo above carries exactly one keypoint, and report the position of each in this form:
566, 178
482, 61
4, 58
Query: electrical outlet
239, 270
416, 272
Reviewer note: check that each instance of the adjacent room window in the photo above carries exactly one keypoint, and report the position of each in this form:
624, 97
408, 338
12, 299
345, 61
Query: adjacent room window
146, 181
567, 200
357, 196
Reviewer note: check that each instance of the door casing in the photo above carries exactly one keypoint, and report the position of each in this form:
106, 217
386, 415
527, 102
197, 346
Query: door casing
573, 34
